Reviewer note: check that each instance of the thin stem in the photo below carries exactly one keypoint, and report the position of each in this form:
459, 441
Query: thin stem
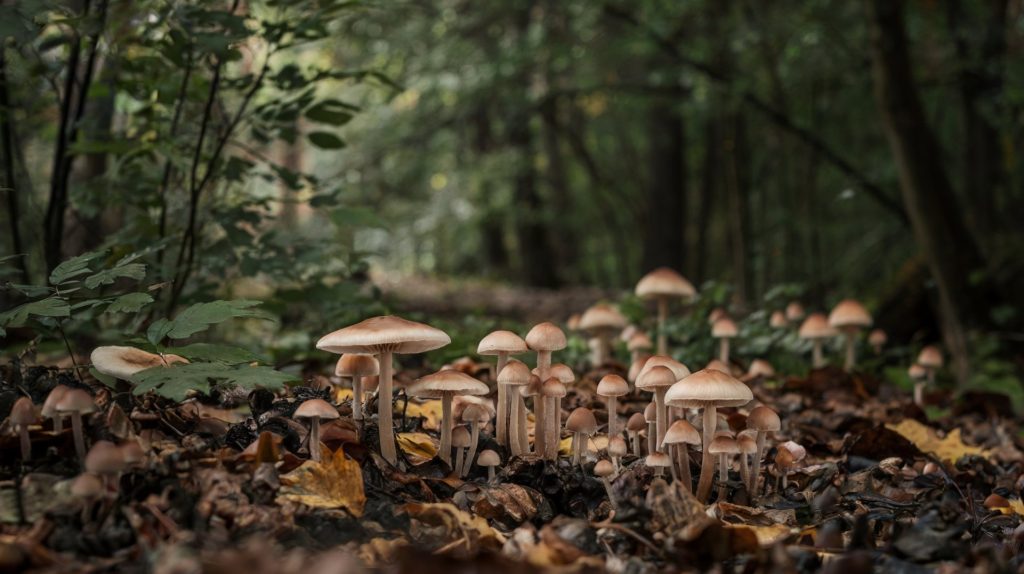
613, 422
384, 423
851, 351
446, 427
723, 350
76, 428
818, 358
685, 467
662, 415
314, 439
539, 442
460, 459
755, 471
635, 435
357, 398
919, 394
26, 443
723, 477
474, 427
707, 464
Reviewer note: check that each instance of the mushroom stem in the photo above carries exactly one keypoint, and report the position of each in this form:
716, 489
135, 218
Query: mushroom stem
513, 422
474, 440
608, 490
723, 476
384, 423
744, 469
851, 349
661, 415
578, 447
658, 471
635, 435
524, 438
723, 350
314, 438
662, 316
26, 443
671, 450
76, 428
685, 476
652, 435
919, 394
501, 424
490, 474
554, 423
460, 459
707, 462
446, 427
752, 484
817, 357
58, 423
539, 413
357, 398
613, 422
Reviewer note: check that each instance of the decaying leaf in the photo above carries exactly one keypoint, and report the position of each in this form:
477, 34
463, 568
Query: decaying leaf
675, 511
418, 447
766, 535
337, 482
443, 528
509, 505
950, 448
429, 410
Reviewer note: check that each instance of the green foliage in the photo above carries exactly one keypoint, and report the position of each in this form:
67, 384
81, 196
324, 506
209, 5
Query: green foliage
177, 382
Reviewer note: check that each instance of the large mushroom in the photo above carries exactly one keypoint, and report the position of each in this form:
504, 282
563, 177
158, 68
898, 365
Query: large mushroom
445, 385
514, 375
543, 338
123, 362
384, 336
602, 322
502, 344
657, 380
849, 317
662, 285
315, 410
724, 329
816, 329
357, 367
611, 387
708, 389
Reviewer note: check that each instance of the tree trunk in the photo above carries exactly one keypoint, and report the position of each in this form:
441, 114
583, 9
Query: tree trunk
663, 237
708, 191
492, 222
737, 215
10, 180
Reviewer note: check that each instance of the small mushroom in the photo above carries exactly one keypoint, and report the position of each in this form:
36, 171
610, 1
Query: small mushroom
930, 358
657, 380
638, 345
724, 446
919, 375
634, 426
877, 339
553, 391
23, 414
794, 311
582, 424
544, 338
445, 385
718, 365
106, 460
816, 329
602, 322
651, 418
315, 410
659, 461
677, 437
77, 402
778, 320
489, 459
762, 420
476, 416
784, 462
460, 442
724, 329
514, 375
637, 367
759, 368
747, 443
616, 450
662, 285
849, 317
611, 387
502, 344
50, 408
87, 488
604, 470
357, 367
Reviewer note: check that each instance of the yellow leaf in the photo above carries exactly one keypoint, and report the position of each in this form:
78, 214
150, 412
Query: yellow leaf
429, 410
766, 535
949, 449
595, 444
342, 394
1016, 506
420, 447
336, 482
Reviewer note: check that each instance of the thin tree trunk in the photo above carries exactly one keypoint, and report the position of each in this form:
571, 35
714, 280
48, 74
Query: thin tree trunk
664, 226
10, 180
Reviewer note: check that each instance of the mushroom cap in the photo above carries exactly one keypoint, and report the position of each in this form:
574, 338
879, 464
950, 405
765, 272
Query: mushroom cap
708, 387
664, 282
930, 357
132, 452
680, 370
573, 322
560, 371
651, 412
50, 404
724, 328
849, 313
445, 382
636, 367
23, 413
123, 362
546, 337
603, 468
636, 422
784, 459
762, 418
724, 445
86, 485
488, 458
617, 446
778, 320
681, 432
515, 373
760, 368
581, 420
104, 458
316, 408
553, 388
639, 341
658, 459
76, 401
717, 365
460, 437
877, 338
816, 326
532, 388
383, 334
796, 449
747, 443
602, 318
794, 311
497, 342
612, 385
715, 314
357, 365
468, 408
917, 372
656, 377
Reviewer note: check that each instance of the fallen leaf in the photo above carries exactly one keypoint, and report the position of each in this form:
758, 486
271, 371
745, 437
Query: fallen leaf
337, 482
444, 528
950, 448
342, 394
429, 410
766, 535
420, 447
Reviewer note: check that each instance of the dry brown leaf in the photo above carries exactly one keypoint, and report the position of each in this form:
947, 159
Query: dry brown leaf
379, 552
419, 447
950, 448
445, 528
766, 535
337, 482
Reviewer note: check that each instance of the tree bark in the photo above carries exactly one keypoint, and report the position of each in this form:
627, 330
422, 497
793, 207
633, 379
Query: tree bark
663, 232
10, 180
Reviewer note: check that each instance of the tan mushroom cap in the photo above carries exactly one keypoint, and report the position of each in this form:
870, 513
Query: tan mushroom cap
930, 357
816, 326
316, 408
760, 368
560, 371
651, 412
468, 408
445, 382
680, 370
87, 485
747, 443
497, 342
778, 320
514, 373
546, 337
716, 314
488, 458
617, 446
917, 372
849, 313
708, 387
762, 418
612, 385
682, 432
123, 362
604, 468
658, 459
639, 341
664, 282
602, 318
104, 458
50, 404
383, 334
724, 328
796, 449
76, 401
724, 445
636, 422
553, 388
357, 365
717, 365
794, 311
23, 413
656, 377
461, 437
877, 338
636, 367
581, 420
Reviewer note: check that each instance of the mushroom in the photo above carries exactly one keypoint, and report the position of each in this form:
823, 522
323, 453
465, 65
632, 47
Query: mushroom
784, 462
716, 314
515, 374
476, 415
849, 317
762, 420
106, 460
634, 426
384, 336
708, 389
718, 365
50, 408
747, 443
678, 369
724, 446
489, 459
680, 434
636, 367
724, 329
794, 311
502, 344
77, 402
23, 414
133, 453
659, 461
816, 329
930, 358
877, 339
759, 368
657, 380
611, 387
604, 470
617, 449
315, 410
123, 362
553, 391
602, 322
663, 284
919, 375
532, 389
357, 366
651, 418
582, 424
444, 385
460, 442
638, 345
778, 320
544, 338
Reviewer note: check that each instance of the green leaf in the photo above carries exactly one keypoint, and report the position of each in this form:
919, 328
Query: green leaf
131, 270
215, 353
105, 379
177, 381
158, 330
30, 290
200, 316
331, 112
326, 140
49, 307
345, 217
74, 267
130, 303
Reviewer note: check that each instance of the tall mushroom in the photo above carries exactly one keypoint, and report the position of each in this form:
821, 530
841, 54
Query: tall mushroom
849, 317
761, 420
611, 387
50, 408
76, 403
657, 380
677, 437
602, 322
315, 410
543, 338
724, 329
23, 414
502, 344
514, 375
357, 367
384, 337
552, 391
723, 446
445, 385
708, 389
581, 423
816, 329
662, 285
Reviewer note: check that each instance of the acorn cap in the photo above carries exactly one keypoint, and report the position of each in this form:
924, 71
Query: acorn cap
553, 388
681, 432
23, 413
636, 423
724, 328
602, 318
664, 282
816, 326
849, 313
717, 365
617, 446
545, 337
488, 458
656, 377
50, 404
514, 373
747, 443
723, 445
460, 437
603, 468
708, 387
680, 370
104, 458
445, 382
930, 357
316, 408
658, 459
581, 420
357, 365
612, 386
778, 320
123, 362
794, 311
762, 418
76, 401
381, 334
877, 338
651, 412
639, 341
760, 368
497, 342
